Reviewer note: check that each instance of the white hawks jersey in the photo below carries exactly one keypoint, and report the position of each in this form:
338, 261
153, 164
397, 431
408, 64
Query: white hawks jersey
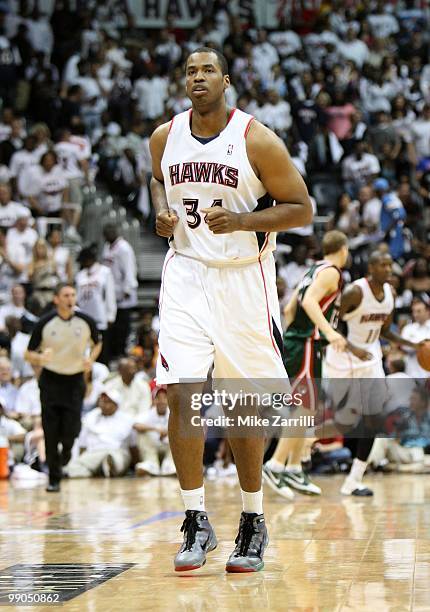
217, 173
95, 289
364, 328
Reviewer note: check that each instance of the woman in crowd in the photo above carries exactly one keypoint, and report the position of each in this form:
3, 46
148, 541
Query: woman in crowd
42, 273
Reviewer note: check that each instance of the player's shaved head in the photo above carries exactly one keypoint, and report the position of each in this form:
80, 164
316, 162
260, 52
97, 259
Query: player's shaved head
333, 241
377, 256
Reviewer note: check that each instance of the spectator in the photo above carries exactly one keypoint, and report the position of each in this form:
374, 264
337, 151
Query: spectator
107, 441
370, 209
347, 217
392, 217
340, 116
119, 256
293, 271
421, 133
413, 433
45, 186
73, 154
14, 432
15, 307
417, 331
9, 271
8, 391
93, 388
23, 159
134, 392
42, 273
61, 255
155, 455
383, 137
276, 113
353, 48
359, 168
95, 290
20, 241
10, 211
413, 205
419, 282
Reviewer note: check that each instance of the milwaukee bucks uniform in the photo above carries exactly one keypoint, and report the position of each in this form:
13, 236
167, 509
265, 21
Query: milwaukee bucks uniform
303, 342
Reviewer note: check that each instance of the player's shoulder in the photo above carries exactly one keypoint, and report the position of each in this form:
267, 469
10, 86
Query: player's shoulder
158, 138
260, 136
353, 292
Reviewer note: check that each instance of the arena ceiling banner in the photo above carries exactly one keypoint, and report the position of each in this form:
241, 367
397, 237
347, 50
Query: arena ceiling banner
154, 13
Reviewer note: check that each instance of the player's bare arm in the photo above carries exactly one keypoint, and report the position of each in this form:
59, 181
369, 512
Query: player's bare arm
290, 309
388, 334
350, 301
273, 166
325, 283
165, 219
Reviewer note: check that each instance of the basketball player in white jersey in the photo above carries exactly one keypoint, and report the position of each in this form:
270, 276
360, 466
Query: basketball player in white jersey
360, 388
216, 175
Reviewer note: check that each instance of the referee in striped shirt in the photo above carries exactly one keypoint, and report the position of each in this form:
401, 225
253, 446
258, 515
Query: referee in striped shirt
65, 342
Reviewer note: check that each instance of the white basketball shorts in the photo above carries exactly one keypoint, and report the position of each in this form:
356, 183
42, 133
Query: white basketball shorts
223, 316
357, 392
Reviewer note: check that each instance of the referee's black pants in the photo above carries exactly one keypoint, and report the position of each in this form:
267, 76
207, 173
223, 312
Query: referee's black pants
61, 399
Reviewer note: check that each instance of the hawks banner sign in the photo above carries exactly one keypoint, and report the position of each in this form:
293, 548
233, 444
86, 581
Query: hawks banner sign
154, 13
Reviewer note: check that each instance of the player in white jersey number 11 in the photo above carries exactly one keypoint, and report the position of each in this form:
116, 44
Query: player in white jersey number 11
358, 388
217, 175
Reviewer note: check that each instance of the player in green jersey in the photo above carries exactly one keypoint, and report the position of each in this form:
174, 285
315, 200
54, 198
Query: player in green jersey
310, 318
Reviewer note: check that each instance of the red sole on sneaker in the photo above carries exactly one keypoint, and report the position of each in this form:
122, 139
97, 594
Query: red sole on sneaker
187, 568
233, 569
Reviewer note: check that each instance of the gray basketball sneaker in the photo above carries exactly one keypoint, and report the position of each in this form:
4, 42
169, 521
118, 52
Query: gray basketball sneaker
251, 542
199, 539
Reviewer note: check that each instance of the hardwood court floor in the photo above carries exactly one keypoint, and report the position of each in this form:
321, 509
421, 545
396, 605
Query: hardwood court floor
329, 553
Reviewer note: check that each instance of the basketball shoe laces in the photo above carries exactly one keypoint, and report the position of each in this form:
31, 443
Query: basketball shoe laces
245, 535
190, 528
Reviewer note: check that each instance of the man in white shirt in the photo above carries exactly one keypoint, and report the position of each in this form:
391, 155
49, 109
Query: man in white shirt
133, 390
119, 256
156, 458
107, 441
370, 207
416, 332
383, 24
20, 241
73, 154
9, 211
8, 391
15, 307
95, 290
151, 95
264, 55
23, 158
360, 167
276, 113
353, 48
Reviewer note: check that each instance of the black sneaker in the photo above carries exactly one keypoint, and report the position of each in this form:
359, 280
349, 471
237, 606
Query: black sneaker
53, 487
251, 542
199, 539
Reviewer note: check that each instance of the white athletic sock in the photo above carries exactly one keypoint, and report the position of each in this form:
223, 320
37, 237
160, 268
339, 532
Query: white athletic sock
275, 466
357, 470
294, 468
194, 499
252, 502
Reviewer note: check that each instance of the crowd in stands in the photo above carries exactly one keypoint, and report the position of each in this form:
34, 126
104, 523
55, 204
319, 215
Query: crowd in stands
347, 88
